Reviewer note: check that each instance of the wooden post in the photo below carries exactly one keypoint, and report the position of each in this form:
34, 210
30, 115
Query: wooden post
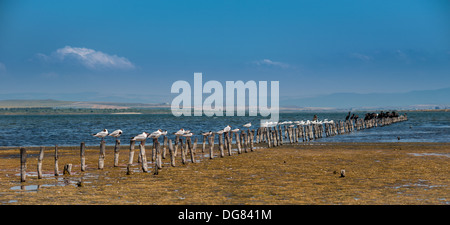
251, 139
228, 137
204, 143
116, 153
183, 152
56, 161
164, 151
157, 162
221, 145
82, 157
269, 144
192, 151
39, 165
131, 156
23, 165
67, 169
154, 150
101, 157
238, 142
211, 146
158, 155
172, 153
143, 156
243, 138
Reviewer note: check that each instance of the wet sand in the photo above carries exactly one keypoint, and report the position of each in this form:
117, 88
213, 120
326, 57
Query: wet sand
375, 173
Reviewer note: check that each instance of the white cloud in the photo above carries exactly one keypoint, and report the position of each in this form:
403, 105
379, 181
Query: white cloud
362, 57
271, 63
89, 58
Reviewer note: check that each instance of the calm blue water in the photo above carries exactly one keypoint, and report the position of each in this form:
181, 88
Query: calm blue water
70, 130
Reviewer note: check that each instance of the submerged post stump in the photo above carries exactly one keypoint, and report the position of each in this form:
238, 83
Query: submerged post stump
23, 165
39, 165
67, 169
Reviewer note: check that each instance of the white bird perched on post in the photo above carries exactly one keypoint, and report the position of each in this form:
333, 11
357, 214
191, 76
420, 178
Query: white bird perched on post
155, 134
235, 130
227, 128
219, 132
164, 133
188, 134
116, 134
207, 133
247, 125
102, 134
140, 137
179, 132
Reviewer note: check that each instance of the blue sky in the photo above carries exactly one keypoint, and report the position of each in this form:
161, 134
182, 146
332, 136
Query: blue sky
135, 50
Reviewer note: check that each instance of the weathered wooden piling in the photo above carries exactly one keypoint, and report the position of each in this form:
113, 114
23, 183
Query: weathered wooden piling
228, 138
172, 153
164, 151
251, 139
143, 156
82, 156
131, 155
56, 161
158, 160
39, 164
158, 155
194, 147
23, 164
183, 152
238, 142
116, 153
101, 157
221, 145
211, 145
67, 169
204, 143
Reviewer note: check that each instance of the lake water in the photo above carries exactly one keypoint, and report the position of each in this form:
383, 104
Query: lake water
71, 130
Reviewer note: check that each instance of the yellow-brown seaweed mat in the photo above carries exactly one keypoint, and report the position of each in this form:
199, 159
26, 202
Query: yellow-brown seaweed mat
375, 173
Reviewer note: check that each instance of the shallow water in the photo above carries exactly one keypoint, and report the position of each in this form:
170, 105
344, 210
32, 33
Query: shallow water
71, 130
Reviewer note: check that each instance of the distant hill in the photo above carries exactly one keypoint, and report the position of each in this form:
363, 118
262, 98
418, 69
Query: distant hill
439, 97
50, 103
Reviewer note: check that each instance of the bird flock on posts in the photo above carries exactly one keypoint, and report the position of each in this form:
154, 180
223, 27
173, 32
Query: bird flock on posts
156, 134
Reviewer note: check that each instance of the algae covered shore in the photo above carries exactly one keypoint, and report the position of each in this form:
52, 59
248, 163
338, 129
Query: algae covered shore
375, 173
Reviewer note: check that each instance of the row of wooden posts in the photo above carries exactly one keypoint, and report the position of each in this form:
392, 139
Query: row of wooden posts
244, 140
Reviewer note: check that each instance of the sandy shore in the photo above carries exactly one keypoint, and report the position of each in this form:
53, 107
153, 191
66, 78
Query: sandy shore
376, 173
